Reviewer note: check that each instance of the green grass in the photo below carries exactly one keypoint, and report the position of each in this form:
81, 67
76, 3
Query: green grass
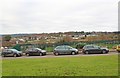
62, 66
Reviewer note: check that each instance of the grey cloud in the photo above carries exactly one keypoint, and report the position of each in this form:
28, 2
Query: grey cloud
58, 15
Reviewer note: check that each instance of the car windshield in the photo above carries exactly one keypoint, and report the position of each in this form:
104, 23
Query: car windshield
14, 50
97, 47
104, 48
38, 48
59, 47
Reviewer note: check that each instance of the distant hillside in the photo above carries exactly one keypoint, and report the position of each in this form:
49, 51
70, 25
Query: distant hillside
70, 32
17, 35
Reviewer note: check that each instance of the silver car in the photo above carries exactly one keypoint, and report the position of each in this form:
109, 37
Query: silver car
65, 49
11, 52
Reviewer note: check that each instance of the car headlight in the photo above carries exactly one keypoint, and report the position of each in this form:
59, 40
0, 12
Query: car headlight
76, 50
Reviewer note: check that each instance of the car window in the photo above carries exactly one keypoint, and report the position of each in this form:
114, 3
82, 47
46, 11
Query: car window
63, 47
4, 51
68, 47
89, 47
38, 49
96, 47
29, 49
13, 50
9, 51
60, 47
57, 47
34, 49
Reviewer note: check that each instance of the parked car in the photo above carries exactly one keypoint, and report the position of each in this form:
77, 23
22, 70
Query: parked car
118, 48
11, 52
94, 49
64, 49
35, 51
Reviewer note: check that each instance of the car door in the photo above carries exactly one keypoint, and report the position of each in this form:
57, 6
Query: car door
64, 50
97, 49
61, 50
35, 52
9, 53
30, 52
90, 49
67, 50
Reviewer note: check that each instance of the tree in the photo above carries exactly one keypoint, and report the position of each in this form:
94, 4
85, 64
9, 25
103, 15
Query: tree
82, 32
7, 38
80, 45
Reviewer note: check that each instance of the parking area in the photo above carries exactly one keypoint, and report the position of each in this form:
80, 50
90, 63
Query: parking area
51, 55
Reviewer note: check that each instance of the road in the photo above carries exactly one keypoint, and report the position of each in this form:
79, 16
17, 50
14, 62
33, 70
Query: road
50, 55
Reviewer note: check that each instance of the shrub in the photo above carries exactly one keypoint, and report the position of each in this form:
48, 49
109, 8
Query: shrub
80, 45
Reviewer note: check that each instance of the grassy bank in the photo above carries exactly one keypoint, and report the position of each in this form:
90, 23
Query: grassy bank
65, 66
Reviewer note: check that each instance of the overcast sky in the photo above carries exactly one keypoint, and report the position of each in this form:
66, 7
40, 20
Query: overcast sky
38, 16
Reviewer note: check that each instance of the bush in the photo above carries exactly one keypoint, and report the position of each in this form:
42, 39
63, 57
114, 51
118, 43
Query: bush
17, 47
80, 45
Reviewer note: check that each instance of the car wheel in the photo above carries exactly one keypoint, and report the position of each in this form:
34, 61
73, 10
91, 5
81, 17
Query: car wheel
27, 54
15, 55
56, 53
40, 54
73, 53
86, 52
103, 51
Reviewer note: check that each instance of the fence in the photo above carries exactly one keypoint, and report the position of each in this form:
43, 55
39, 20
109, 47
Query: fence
50, 47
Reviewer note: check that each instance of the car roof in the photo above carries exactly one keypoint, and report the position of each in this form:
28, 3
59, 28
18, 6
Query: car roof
10, 50
90, 45
104, 47
62, 45
34, 48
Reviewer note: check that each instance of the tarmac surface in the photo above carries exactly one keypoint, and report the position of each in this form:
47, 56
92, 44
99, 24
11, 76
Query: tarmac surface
51, 55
